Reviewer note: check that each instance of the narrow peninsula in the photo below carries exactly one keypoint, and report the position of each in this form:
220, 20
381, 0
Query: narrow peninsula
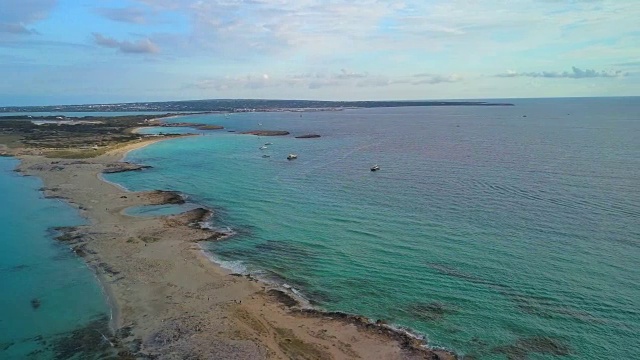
168, 300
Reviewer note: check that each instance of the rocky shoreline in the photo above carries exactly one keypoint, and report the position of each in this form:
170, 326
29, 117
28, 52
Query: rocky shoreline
170, 301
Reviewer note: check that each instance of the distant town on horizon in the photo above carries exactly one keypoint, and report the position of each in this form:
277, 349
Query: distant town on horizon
242, 105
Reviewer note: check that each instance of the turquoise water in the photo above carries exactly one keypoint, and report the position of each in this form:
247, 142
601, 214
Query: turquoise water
493, 234
35, 266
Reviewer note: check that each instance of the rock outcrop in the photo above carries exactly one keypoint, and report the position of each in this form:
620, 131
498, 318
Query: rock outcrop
308, 136
122, 167
267, 132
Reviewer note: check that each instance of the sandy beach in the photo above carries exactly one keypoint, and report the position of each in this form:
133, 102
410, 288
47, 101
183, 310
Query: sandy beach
169, 301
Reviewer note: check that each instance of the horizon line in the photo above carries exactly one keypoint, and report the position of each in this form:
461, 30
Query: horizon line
318, 100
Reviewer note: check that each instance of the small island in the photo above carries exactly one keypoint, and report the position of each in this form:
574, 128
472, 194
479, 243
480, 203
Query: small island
308, 136
209, 127
193, 125
266, 132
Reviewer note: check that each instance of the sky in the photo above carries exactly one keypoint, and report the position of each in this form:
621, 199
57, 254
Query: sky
103, 51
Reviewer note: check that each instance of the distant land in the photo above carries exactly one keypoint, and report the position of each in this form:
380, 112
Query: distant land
240, 105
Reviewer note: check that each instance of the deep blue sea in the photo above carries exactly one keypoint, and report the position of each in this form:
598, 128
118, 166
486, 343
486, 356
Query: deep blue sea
48, 296
497, 232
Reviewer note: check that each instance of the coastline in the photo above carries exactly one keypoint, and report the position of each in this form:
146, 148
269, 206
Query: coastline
174, 301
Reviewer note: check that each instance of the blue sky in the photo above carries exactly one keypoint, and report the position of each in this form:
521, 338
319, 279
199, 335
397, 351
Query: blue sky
96, 51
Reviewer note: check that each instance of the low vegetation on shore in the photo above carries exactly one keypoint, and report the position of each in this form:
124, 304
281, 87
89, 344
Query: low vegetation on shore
73, 137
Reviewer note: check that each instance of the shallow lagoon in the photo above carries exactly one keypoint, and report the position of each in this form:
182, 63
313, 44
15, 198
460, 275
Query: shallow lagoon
47, 291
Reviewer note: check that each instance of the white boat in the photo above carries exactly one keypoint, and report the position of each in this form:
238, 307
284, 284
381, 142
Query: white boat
292, 157
375, 168
263, 148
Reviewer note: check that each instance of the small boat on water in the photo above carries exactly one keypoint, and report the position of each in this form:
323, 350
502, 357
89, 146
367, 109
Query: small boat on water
292, 157
268, 143
263, 148
375, 168
266, 156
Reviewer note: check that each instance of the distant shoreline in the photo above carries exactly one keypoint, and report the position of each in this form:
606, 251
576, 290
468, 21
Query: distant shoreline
240, 105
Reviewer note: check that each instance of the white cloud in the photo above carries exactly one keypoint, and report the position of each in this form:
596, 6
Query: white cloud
16, 15
314, 81
426, 78
15, 28
142, 46
322, 30
346, 74
21, 11
575, 73
131, 15
234, 82
347, 48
